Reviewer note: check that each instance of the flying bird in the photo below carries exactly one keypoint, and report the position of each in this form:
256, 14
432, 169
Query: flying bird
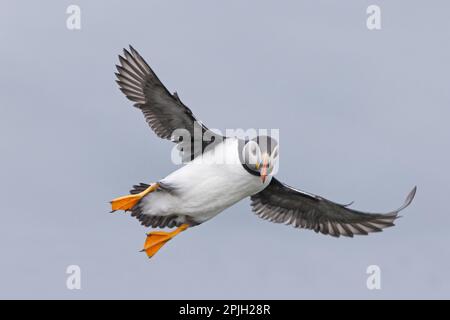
219, 171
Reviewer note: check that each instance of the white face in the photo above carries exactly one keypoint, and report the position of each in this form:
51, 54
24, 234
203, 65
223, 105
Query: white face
252, 155
273, 162
259, 161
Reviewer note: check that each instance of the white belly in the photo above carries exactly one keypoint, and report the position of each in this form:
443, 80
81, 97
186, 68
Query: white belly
204, 188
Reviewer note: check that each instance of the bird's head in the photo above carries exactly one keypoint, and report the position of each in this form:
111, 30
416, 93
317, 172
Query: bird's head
260, 156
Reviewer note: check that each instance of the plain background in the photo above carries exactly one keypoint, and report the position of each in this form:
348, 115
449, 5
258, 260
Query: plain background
363, 115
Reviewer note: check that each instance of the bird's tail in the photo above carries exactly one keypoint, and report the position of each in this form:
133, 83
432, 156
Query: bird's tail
137, 193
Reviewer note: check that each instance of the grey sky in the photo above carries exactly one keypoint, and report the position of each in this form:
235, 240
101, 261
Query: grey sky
363, 115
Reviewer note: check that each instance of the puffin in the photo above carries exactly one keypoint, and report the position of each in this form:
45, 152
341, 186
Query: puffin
218, 171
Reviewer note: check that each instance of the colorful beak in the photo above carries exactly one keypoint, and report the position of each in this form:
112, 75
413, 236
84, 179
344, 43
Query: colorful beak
264, 167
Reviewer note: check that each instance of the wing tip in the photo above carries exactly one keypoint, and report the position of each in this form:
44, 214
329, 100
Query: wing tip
409, 198
132, 50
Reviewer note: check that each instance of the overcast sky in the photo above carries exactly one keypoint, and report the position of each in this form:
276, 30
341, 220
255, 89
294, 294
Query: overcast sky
363, 115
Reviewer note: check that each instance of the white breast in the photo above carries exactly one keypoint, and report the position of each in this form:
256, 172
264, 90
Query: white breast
207, 185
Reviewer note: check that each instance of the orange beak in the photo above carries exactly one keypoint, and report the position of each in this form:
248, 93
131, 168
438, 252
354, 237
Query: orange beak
264, 167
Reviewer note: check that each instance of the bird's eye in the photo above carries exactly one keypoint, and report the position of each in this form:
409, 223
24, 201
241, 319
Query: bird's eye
253, 149
252, 155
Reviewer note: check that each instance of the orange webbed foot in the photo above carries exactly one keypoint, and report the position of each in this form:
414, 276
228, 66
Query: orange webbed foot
128, 202
157, 239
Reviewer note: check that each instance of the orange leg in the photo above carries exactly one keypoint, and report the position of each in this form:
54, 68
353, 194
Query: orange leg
156, 239
128, 202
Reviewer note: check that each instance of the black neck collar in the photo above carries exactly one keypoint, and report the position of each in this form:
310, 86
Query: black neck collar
255, 173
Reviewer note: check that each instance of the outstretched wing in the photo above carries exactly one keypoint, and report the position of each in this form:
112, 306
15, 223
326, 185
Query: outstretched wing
164, 112
280, 203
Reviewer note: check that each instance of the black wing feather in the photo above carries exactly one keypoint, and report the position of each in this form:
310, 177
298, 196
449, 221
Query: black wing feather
163, 111
280, 203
